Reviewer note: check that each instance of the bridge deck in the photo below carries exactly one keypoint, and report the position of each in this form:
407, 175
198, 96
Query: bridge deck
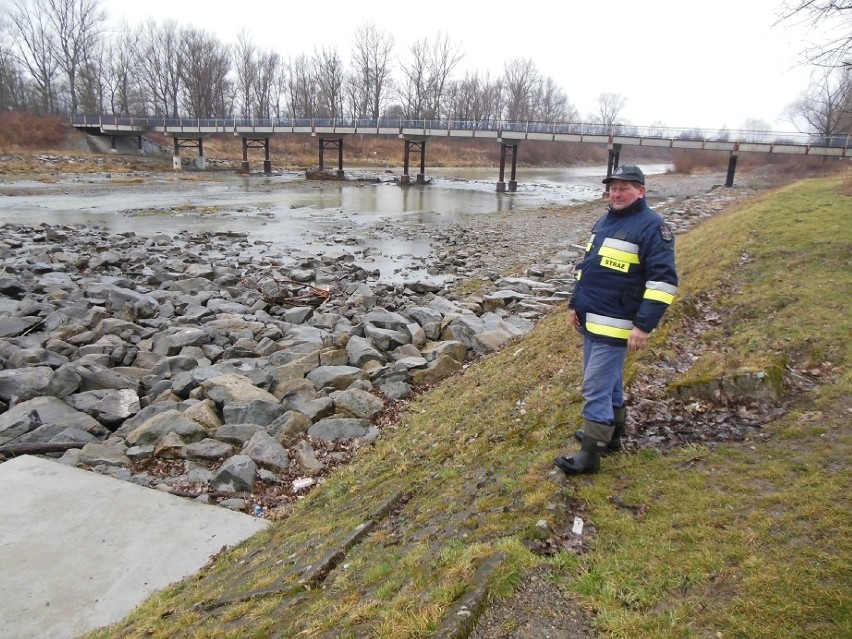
504, 132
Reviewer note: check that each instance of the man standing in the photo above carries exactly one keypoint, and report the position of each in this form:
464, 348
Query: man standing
625, 283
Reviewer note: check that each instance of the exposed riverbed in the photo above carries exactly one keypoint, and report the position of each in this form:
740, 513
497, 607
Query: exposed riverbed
390, 229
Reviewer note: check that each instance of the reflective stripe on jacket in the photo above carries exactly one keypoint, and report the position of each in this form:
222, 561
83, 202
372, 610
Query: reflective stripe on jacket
628, 273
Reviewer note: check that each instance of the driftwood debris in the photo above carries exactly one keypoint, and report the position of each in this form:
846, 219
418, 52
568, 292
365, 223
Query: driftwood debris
13, 450
282, 294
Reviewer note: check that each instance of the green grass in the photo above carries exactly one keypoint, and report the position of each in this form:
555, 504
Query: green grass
746, 540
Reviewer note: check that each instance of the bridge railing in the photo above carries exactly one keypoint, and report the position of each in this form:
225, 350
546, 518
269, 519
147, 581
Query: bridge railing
400, 125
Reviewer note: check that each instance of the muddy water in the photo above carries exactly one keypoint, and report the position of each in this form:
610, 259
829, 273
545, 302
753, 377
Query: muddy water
385, 225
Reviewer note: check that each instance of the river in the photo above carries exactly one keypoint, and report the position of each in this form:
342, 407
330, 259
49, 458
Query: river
297, 216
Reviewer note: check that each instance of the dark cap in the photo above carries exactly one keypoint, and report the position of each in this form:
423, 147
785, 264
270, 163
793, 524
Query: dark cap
628, 173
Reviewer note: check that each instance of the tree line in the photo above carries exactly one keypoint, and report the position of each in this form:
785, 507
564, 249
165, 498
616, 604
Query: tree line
61, 56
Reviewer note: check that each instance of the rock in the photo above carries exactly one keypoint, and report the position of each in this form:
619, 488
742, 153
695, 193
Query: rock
170, 446
337, 377
236, 475
343, 428
209, 450
290, 427
234, 388
267, 452
170, 421
28, 416
441, 368
22, 384
96, 454
110, 407
307, 460
356, 403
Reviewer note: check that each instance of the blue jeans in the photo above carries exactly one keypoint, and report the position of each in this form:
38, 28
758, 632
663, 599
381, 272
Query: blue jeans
603, 370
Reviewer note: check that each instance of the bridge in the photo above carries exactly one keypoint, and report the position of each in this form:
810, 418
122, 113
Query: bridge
331, 132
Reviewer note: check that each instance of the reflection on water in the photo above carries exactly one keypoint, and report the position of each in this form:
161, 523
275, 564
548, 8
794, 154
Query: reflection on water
297, 215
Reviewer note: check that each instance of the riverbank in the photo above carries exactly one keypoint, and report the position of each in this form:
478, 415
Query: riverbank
454, 523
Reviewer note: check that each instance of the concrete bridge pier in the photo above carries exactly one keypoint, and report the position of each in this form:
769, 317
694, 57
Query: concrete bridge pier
256, 143
410, 144
732, 169
331, 143
195, 142
613, 157
513, 182
267, 160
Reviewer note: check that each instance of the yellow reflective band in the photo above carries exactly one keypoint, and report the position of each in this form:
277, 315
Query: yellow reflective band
588, 247
577, 276
659, 296
618, 254
660, 291
620, 250
608, 262
608, 326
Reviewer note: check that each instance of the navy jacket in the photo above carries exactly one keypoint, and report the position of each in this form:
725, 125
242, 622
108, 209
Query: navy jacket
627, 277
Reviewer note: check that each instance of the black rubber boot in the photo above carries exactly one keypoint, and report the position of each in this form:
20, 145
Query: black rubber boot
588, 460
619, 421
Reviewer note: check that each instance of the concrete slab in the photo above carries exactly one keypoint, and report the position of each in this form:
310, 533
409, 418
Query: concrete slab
79, 550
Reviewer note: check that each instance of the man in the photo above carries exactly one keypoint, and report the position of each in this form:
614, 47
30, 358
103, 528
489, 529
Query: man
625, 283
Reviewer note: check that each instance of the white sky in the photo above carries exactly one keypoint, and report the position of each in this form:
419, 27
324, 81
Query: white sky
679, 63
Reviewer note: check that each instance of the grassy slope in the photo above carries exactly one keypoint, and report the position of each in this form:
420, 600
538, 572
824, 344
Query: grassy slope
730, 541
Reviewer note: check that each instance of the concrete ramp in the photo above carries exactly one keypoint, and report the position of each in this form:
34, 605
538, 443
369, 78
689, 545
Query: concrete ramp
79, 550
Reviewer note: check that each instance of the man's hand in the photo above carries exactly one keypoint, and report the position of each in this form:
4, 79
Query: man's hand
637, 340
572, 317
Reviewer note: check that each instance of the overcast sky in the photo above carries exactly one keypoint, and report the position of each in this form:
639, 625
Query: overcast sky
683, 64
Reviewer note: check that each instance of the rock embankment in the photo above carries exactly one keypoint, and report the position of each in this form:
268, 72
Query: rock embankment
198, 365
188, 354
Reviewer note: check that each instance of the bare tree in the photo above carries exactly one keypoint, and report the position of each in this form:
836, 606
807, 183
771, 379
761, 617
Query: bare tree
446, 56
92, 80
245, 65
205, 65
301, 90
35, 40
268, 84
756, 130
476, 99
520, 80
825, 108
77, 27
123, 94
833, 18
371, 70
160, 67
328, 74
13, 84
426, 77
412, 92
609, 109
553, 104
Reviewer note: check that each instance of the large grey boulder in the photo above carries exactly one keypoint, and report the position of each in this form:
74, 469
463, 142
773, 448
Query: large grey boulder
337, 377
27, 416
354, 402
360, 350
267, 452
170, 421
226, 389
22, 384
343, 428
108, 406
236, 475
